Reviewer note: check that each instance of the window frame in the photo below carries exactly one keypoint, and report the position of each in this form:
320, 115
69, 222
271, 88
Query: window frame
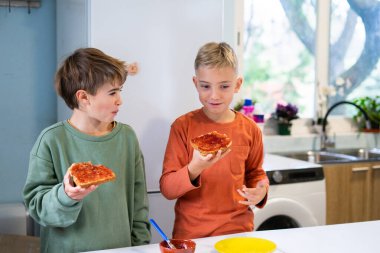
322, 45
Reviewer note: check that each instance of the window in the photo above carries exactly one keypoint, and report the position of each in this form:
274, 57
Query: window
354, 49
280, 44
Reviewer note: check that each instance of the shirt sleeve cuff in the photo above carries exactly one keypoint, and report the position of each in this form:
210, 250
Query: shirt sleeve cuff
64, 199
189, 185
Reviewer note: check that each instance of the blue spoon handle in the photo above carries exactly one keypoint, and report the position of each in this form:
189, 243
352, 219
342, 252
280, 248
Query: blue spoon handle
161, 233
159, 229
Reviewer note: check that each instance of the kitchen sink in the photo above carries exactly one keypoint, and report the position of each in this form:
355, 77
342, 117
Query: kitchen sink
319, 156
361, 153
335, 156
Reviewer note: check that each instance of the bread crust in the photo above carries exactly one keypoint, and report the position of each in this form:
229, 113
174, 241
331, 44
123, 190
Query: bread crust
211, 143
85, 174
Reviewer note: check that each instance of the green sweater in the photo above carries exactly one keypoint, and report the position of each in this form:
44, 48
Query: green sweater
114, 215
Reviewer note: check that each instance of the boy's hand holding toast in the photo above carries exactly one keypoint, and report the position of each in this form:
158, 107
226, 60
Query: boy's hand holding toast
208, 149
76, 192
84, 177
200, 162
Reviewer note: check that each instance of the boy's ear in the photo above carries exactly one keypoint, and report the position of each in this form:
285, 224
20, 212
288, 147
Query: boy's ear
195, 81
81, 97
238, 84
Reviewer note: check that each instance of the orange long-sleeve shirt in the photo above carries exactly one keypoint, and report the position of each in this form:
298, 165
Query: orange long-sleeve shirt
211, 207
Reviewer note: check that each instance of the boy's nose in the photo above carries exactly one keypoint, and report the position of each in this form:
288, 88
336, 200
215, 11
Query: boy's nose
119, 100
214, 93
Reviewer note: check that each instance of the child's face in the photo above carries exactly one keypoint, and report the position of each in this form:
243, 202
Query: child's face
216, 88
104, 105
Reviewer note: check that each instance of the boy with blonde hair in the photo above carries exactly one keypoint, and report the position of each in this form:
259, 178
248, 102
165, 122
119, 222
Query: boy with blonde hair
214, 193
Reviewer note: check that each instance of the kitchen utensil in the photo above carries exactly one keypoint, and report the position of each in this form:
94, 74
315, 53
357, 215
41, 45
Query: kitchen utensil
162, 234
245, 245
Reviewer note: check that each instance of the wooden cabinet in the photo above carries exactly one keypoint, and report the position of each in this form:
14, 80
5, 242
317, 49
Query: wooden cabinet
375, 192
352, 192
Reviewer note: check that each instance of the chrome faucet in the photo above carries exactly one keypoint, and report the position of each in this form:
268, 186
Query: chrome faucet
325, 141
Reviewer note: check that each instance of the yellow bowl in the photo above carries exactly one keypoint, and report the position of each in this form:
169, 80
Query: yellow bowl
245, 245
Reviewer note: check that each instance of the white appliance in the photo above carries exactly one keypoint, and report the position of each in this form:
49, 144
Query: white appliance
297, 195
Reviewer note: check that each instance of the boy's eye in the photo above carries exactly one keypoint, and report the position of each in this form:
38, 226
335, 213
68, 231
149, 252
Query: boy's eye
113, 92
205, 86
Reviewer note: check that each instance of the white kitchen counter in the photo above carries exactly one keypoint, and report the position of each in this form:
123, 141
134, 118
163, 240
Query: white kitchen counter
278, 162
347, 238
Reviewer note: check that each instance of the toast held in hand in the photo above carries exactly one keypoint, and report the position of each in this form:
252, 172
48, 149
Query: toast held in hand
85, 174
211, 143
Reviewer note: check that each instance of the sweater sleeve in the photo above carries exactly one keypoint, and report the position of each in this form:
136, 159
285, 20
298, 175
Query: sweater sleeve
175, 179
140, 225
45, 197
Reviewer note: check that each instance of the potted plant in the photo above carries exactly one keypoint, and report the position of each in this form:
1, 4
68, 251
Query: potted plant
371, 105
284, 114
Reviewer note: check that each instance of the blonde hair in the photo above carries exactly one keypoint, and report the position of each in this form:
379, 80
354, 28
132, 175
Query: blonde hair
87, 69
216, 55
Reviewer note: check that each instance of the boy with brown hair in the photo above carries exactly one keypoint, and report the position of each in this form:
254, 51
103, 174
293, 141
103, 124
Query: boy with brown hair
110, 215
214, 193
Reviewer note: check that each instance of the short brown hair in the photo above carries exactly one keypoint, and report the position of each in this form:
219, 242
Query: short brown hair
216, 55
87, 69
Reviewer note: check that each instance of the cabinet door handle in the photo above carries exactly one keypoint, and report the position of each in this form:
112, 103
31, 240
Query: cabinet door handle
376, 167
360, 169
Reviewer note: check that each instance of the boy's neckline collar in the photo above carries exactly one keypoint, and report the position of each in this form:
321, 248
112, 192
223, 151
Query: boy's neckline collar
77, 129
204, 115
89, 137
217, 122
